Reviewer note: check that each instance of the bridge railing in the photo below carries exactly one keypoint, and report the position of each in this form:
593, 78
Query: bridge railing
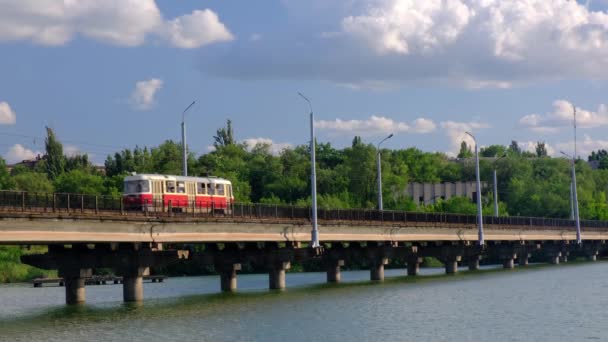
86, 204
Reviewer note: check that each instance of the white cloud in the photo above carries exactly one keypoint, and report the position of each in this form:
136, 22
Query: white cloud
197, 29
275, 148
456, 132
583, 148
375, 125
7, 116
562, 116
18, 153
142, 97
118, 22
466, 43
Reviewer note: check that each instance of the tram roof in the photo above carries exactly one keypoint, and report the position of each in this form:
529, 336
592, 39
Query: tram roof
150, 176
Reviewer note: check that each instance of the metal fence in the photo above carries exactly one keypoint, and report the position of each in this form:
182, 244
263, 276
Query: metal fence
29, 202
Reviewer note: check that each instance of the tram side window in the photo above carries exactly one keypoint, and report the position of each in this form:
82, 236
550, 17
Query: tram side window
181, 187
220, 189
211, 189
200, 188
170, 187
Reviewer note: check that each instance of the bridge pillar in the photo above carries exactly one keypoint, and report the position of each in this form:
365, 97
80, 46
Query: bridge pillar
563, 258
522, 259
508, 263
474, 263
133, 285
413, 266
228, 276
554, 258
376, 271
592, 257
333, 271
276, 275
451, 264
74, 284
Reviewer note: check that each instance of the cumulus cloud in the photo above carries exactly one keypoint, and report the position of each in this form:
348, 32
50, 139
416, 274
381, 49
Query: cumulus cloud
142, 97
468, 43
118, 22
375, 125
562, 116
583, 148
456, 133
275, 148
18, 153
7, 116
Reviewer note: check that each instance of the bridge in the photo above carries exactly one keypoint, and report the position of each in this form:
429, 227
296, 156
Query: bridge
85, 232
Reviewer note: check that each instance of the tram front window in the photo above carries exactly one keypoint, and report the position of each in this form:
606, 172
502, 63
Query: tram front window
137, 186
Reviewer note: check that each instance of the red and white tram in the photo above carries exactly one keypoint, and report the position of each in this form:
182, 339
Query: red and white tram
152, 191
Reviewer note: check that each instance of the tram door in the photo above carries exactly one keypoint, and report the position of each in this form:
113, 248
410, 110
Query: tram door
157, 194
191, 191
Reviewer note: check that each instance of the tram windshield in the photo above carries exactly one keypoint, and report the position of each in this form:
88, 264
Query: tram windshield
137, 186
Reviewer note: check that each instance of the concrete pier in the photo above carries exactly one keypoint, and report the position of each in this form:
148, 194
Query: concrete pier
413, 266
74, 281
74, 290
451, 265
563, 258
554, 259
474, 263
523, 260
228, 282
276, 276
133, 288
592, 257
376, 271
333, 271
508, 263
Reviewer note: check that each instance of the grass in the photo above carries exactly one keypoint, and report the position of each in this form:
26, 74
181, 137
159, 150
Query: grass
13, 271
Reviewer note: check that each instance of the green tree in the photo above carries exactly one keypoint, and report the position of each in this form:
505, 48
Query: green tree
33, 182
5, 179
541, 149
465, 151
493, 151
55, 160
224, 136
514, 149
80, 182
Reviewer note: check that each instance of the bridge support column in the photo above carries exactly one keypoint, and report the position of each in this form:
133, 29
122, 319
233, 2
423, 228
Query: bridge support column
413, 266
592, 257
522, 259
133, 285
474, 263
563, 258
376, 271
227, 273
554, 259
74, 284
333, 271
276, 276
508, 263
451, 264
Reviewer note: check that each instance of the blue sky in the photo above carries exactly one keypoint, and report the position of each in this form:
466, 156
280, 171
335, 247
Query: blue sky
115, 74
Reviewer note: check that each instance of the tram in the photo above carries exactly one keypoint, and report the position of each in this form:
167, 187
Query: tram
154, 192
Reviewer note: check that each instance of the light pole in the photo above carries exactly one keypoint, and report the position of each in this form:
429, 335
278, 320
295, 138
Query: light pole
496, 186
314, 234
379, 167
184, 149
479, 213
575, 198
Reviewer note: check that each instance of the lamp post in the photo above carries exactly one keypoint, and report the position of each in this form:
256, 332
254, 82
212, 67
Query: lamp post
479, 213
496, 186
184, 150
575, 198
314, 234
379, 167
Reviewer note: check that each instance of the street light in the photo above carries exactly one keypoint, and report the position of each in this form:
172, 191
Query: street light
380, 207
479, 213
184, 151
314, 234
575, 200
496, 186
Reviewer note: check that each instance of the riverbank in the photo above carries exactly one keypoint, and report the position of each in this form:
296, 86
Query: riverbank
13, 271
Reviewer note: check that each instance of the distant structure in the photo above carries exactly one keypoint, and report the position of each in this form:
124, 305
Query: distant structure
429, 193
28, 163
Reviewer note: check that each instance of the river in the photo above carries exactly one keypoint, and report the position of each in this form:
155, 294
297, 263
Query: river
539, 303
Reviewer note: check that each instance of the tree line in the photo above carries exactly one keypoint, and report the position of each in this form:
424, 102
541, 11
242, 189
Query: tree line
529, 184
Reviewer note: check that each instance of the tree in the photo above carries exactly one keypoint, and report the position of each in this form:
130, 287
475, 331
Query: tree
514, 149
55, 160
493, 151
79, 182
541, 149
224, 136
5, 179
33, 182
465, 150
